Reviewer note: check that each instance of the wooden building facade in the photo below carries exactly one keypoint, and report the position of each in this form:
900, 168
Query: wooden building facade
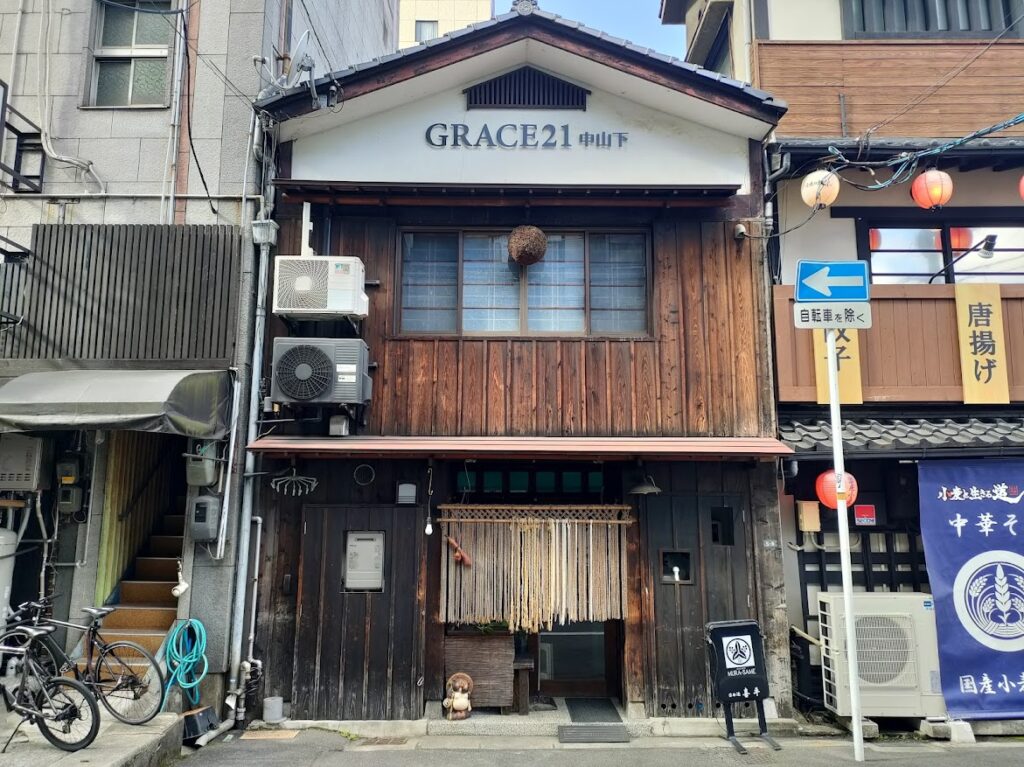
567, 467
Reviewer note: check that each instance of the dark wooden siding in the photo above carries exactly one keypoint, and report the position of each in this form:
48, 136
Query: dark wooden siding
158, 293
675, 614
701, 369
358, 655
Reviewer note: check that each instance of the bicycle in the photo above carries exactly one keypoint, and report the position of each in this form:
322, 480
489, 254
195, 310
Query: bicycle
123, 675
63, 709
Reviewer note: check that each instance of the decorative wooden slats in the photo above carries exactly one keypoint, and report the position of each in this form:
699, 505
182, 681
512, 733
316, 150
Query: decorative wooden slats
125, 292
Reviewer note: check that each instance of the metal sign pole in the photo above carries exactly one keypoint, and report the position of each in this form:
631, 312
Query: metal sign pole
844, 545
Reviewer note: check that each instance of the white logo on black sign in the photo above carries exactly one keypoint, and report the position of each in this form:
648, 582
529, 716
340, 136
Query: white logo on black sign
739, 652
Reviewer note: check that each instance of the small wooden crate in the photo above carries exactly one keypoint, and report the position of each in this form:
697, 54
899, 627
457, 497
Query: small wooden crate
487, 658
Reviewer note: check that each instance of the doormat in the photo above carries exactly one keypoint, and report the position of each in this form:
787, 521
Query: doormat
268, 735
589, 710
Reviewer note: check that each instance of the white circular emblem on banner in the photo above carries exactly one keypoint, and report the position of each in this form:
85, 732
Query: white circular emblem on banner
989, 597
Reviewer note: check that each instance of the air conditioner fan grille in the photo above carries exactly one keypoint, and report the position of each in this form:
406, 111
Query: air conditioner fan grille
304, 372
885, 650
302, 284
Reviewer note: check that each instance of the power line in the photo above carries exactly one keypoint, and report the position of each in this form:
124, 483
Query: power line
316, 36
945, 79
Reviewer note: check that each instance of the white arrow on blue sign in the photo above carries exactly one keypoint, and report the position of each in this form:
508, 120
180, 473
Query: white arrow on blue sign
831, 281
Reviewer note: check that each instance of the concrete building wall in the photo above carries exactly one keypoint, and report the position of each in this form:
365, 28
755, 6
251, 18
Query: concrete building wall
131, 148
449, 15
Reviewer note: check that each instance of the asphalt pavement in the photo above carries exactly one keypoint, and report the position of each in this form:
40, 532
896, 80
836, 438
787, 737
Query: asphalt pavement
325, 749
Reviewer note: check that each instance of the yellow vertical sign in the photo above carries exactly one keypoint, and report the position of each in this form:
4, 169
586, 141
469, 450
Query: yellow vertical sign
848, 356
979, 323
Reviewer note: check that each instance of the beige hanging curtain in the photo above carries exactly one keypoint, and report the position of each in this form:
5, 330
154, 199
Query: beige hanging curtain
533, 566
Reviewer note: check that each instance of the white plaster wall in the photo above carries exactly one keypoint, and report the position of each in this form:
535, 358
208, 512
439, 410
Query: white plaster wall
390, 147
804, 19
834, 239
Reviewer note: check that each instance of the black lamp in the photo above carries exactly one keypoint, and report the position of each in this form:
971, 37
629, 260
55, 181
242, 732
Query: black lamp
986, 249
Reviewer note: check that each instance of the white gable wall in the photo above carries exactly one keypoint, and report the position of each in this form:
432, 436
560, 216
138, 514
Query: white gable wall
392, 147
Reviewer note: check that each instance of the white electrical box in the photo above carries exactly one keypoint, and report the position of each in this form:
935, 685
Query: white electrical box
22, 463
364, 561
201, 463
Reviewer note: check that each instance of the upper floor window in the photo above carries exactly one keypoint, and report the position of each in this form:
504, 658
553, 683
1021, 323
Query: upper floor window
589, 283
425, 30
914, 255
132, 53
926, 18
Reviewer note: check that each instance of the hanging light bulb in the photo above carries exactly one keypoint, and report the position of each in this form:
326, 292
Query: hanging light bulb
932, 189
819, 189
429, 528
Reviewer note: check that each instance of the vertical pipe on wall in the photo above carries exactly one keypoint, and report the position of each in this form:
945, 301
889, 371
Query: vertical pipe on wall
171, 156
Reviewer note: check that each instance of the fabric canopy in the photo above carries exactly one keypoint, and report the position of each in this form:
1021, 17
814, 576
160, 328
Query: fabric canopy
192, 403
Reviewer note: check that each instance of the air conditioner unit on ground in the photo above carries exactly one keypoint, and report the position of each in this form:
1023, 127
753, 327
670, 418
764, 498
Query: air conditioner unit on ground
23, 463
897, 655
319, 287
318, 371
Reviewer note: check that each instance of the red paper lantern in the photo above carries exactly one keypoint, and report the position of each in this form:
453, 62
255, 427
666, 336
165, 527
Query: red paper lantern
932, 189
875, 239
960, 238
825, 487
1020, 187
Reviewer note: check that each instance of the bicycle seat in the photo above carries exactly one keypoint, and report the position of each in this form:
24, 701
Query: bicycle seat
34, 632
98, 612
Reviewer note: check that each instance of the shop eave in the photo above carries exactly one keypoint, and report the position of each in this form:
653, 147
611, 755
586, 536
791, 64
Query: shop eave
525, 448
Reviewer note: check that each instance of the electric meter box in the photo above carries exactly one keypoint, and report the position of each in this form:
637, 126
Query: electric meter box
204, 518
69, 472
364, 561
201, 463
69, 499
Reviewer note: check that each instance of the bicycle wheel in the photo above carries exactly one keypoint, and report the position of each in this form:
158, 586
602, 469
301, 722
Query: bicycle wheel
128, 682
67, 715
42, 651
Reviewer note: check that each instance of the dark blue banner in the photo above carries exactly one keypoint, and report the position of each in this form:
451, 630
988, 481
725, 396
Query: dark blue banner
972, 521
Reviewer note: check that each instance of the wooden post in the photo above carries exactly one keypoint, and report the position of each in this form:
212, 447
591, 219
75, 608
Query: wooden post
771, 591
633, 641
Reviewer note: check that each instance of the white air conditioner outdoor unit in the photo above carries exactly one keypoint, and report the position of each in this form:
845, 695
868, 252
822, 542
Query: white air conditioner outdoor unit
319, 287
897, 655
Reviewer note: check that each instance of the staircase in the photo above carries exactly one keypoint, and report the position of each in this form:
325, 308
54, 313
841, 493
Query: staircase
146, 609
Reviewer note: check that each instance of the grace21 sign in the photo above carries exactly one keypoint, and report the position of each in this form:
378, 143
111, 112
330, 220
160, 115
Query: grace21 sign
521, 136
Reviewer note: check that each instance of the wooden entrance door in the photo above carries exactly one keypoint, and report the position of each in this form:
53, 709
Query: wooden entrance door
359, 653
705, 537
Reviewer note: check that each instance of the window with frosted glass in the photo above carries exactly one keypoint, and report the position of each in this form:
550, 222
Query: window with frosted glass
555, 289
490, 285
430, 282
618, 283
587, 284
132, 51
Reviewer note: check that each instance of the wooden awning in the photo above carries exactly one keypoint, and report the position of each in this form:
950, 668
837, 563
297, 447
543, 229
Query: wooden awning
606, 448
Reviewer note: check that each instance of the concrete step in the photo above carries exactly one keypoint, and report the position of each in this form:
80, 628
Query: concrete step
173, 524
132, 616
156, 568
165, 546
151, 640
148, 592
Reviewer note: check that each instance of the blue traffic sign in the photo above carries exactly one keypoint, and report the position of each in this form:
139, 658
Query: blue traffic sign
831, 281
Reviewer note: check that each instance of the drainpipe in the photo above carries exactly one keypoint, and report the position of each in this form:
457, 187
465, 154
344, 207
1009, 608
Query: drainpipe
265, 234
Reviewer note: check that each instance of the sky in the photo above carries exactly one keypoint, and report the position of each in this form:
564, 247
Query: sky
634, 20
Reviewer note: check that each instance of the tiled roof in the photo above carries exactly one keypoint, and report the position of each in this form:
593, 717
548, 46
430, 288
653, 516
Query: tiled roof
905, 436
746, 89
